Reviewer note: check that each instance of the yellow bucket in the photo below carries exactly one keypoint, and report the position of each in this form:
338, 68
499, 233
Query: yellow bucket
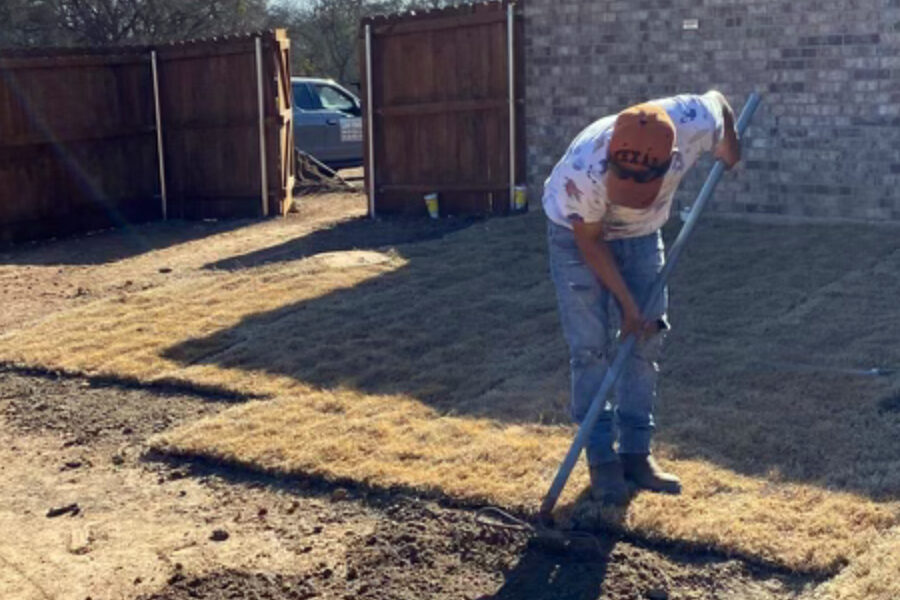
520, 197
431, 202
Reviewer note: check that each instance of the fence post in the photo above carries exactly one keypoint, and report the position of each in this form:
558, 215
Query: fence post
510, 48
263, 164
370, 117
159, 137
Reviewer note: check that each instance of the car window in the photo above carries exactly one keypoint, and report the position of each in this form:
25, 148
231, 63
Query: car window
303, 98
334, 99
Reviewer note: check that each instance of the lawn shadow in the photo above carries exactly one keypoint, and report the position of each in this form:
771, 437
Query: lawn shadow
458, 321
361, 233
469, 326
111, 245
543, 575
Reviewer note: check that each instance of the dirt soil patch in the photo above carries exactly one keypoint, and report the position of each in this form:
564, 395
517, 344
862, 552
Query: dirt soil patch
151, 529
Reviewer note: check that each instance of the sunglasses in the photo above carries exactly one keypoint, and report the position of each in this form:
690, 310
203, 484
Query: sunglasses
640, 176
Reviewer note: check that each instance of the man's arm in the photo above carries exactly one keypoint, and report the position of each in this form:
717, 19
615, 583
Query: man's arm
729, 147
596, 253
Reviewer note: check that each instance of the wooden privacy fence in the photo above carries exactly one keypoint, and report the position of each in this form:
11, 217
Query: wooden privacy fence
93, 138
443, 107
210, 99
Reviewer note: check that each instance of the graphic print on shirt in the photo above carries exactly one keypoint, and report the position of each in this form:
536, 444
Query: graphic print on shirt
690, 112
597, 170
572, 191
688, 115
602, 141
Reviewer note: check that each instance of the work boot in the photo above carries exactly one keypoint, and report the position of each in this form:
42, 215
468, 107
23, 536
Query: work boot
642, 471
608, 484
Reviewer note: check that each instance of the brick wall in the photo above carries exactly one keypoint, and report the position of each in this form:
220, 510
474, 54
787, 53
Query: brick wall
826, 141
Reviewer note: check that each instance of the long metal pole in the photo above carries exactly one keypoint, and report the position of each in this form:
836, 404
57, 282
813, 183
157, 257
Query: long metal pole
590, 420
370, 125
263, 163
510, 49
159, 137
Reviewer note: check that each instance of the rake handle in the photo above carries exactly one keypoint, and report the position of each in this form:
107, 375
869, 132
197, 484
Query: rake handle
612, 374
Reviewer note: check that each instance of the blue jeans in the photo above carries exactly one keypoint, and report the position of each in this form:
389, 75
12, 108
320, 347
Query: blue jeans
590, 317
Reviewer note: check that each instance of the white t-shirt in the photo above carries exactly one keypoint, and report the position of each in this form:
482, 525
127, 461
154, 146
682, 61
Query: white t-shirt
575, 188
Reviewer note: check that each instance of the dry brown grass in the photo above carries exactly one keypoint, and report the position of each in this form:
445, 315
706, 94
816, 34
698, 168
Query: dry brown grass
442, 368
78, 270
873, 576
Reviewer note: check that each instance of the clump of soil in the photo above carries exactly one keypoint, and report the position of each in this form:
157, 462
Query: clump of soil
87, 411
236, 584
423, 550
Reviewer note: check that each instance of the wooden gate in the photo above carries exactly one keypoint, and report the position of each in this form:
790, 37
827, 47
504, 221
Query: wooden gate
443, 109
216, 97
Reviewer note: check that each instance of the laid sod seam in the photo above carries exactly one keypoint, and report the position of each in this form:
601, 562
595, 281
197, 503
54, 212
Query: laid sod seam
164, 386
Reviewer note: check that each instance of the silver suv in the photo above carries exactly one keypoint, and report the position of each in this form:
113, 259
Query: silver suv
327, 122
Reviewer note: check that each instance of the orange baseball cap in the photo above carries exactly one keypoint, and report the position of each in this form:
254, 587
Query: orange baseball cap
640, 151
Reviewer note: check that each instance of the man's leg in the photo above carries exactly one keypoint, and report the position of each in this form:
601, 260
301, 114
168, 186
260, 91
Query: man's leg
636, 390
583, 310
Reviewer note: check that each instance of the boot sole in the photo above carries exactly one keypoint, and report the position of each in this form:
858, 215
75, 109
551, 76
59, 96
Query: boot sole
673, 491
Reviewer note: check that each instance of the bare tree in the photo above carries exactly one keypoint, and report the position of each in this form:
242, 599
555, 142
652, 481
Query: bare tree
24, 22
96, 22
324, 34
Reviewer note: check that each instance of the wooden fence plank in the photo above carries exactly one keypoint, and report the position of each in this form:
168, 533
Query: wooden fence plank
439, 23
69, 62
74, 136
443, 107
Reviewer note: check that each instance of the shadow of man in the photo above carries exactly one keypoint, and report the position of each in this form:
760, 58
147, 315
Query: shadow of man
567, 564
543, 575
